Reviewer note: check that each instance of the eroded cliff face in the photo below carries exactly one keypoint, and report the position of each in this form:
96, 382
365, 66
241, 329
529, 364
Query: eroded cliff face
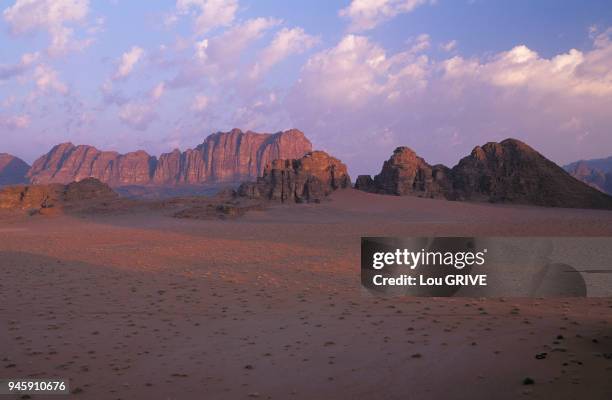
67, 163
230, 157
223, 157
307, 179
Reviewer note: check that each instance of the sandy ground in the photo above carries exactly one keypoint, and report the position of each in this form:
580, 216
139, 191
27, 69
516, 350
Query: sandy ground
269, 306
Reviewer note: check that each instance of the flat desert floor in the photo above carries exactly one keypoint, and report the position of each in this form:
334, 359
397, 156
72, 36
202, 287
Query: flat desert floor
269, 306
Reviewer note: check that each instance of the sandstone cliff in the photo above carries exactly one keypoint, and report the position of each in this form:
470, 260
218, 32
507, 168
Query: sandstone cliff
223, 157
505, 172
67, 163
307, 179
13, 170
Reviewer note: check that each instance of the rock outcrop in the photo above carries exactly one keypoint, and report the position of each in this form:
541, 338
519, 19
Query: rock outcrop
227, 210
596, 173
13, 170
223, 157
89, 189
505, 172
307, 179
55, 196
405, 173
513, 172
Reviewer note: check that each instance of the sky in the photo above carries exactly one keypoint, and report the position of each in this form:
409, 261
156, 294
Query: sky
358, 77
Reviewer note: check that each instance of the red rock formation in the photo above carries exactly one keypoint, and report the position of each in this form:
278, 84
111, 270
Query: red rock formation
168, 169
237, 156
13, 170
223, 157
506, 172
405, 173
67, 163
55, 196
308, 179
513, 172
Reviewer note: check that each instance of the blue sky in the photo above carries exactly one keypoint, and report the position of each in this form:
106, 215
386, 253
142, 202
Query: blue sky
358, 77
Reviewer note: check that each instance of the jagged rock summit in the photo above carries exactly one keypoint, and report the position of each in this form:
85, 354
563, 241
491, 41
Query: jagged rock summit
307, 179
232, 156
505, 172
13, 170
405, 173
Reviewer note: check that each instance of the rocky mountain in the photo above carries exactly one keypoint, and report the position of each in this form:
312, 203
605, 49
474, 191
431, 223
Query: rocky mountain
223, 157
405, 173
597, 173
603, 164
307, 179
55, 196
13, 170
513, 172
505, 172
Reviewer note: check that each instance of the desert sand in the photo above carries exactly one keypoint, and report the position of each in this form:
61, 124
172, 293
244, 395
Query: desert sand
140, 305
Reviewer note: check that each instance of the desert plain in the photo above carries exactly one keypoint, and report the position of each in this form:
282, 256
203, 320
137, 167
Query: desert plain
136, 304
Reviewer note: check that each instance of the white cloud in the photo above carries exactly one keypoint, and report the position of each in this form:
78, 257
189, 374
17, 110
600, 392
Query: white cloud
110, 95
210, 13
98, 26
200, 49
29, 58
200, 103
571, 73
367, 14
421, 43
8, 71
356, 70
51, 15
285, 43
158, 91
47, 80
443, 108
14, 122
226, 47
137, 115
128, 61
449, 46
221, 60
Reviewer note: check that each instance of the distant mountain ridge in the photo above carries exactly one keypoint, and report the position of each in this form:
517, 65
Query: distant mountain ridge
223, 157
505, 172
604, 164
596, 173
13, 170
